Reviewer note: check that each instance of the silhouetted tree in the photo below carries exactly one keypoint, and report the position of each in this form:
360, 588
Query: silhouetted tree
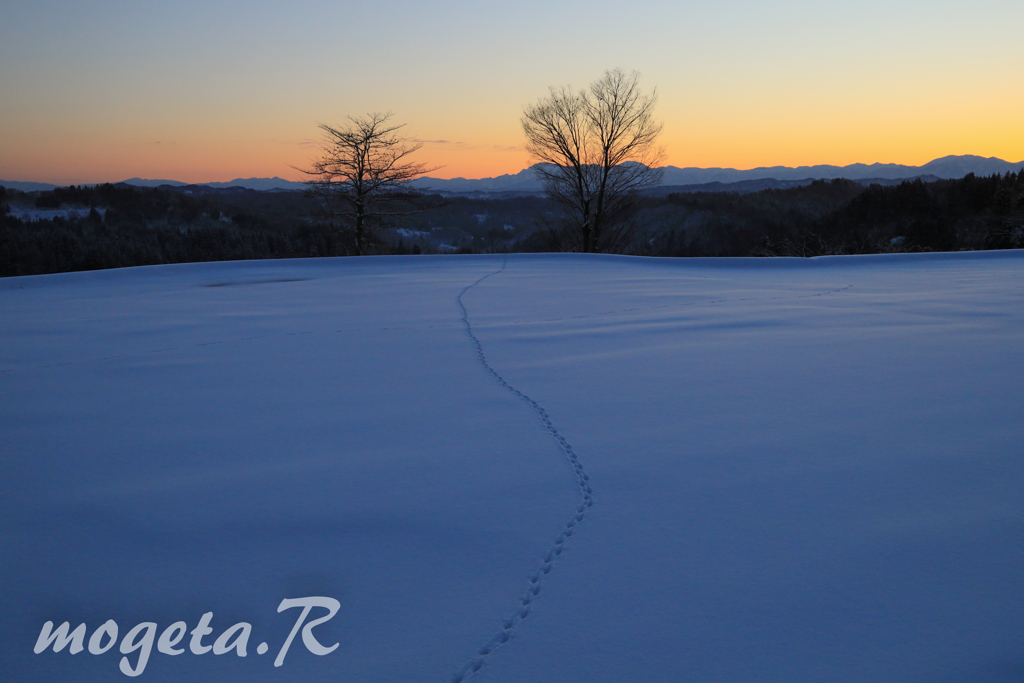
362, 173
595, 148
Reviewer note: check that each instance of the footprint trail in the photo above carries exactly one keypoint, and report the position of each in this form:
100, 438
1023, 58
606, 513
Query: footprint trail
476, 663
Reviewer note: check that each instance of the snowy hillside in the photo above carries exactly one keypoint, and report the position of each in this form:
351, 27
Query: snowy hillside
539, 468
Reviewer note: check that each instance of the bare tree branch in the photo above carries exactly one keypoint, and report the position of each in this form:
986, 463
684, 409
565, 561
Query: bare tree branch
594, 150
362, 170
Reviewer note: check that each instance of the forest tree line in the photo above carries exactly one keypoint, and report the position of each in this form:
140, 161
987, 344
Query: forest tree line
117, 225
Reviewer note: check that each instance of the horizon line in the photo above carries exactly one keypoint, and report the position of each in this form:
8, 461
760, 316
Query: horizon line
513, 173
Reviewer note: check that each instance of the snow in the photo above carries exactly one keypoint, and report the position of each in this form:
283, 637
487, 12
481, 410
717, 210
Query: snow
28, 214
802, 470
406, 232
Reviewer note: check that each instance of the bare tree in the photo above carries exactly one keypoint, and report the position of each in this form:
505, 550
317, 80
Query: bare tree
594, 150
362, 174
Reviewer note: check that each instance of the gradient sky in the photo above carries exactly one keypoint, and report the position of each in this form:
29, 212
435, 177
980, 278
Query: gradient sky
103, 91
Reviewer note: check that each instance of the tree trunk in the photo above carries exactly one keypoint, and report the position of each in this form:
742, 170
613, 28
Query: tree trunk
586, 227
360, 217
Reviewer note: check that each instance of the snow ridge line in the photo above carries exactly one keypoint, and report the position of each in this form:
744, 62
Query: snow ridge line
684, 304
141, 354
586, 500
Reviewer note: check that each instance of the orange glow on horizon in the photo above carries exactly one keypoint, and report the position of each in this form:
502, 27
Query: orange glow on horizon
185, 163
883, 134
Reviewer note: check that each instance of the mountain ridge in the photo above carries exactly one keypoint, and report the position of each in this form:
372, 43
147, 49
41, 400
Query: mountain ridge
947, 167
527, 182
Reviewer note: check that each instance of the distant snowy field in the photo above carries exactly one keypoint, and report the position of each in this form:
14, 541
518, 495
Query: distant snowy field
28, 214
801, 470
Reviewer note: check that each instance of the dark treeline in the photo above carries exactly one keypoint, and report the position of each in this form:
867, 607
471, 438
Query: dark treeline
108, 226
839, 217
120, 226
112, 226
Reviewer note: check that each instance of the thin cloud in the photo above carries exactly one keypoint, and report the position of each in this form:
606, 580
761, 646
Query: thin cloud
467, 146
307, 142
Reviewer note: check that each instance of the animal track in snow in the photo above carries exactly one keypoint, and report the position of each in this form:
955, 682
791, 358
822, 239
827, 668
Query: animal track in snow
533, 588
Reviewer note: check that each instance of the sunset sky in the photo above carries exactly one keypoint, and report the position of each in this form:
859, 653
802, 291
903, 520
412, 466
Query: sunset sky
103, 91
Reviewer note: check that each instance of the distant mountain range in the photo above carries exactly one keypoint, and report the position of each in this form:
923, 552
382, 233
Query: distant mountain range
731, 179
944, 168
261, 184
674, 179
274, 184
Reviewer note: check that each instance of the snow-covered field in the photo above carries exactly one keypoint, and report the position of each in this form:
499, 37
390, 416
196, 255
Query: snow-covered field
801, 470
28, 214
